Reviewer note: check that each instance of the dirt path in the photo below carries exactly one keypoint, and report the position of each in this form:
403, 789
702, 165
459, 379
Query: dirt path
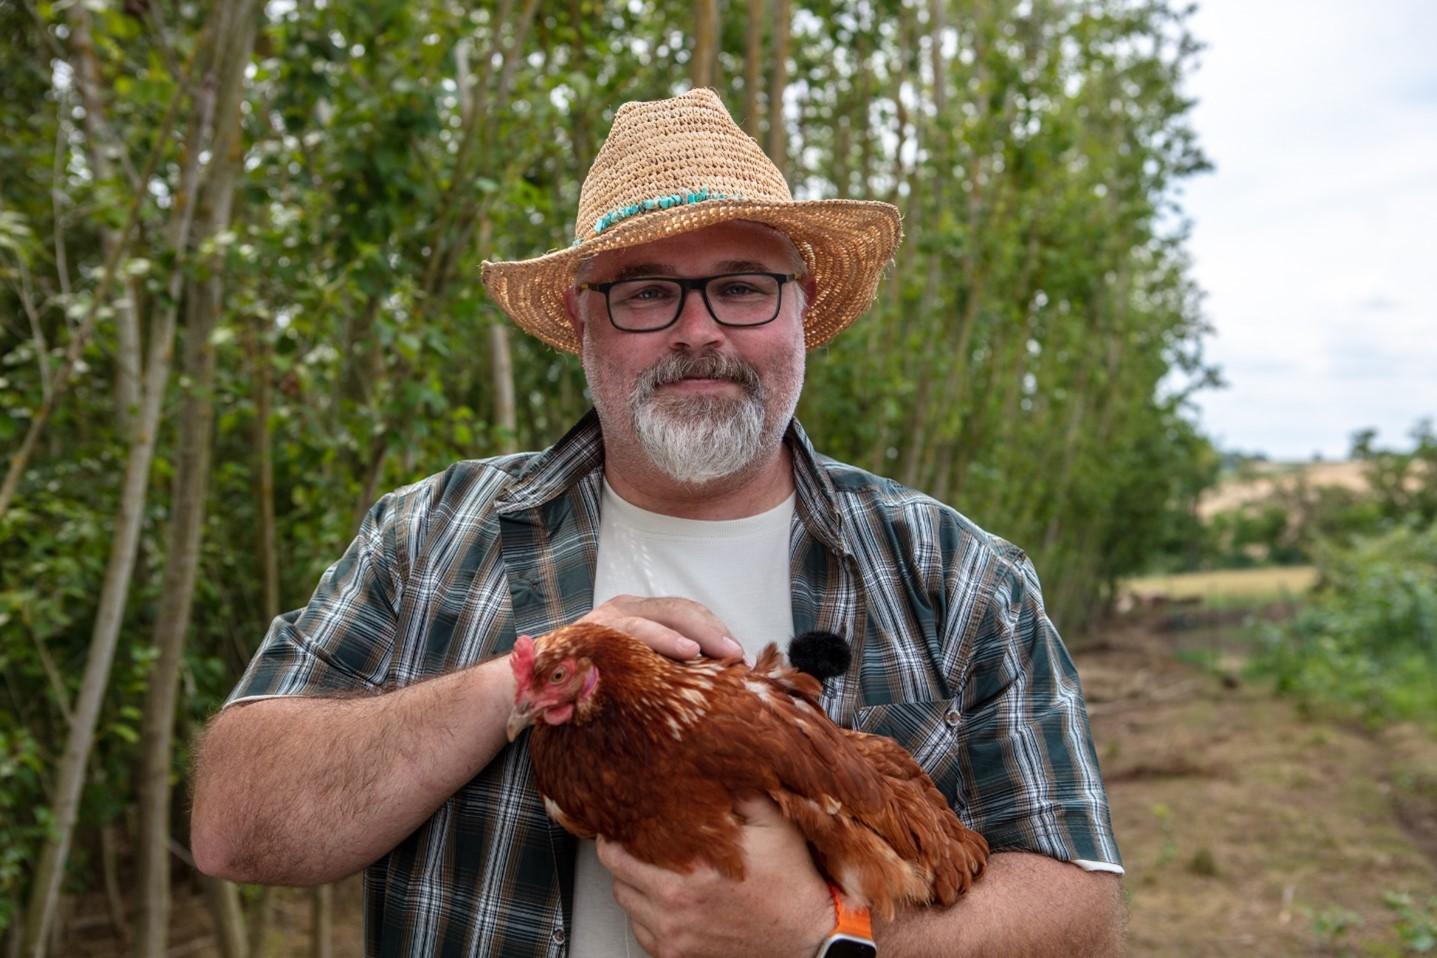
1249, 828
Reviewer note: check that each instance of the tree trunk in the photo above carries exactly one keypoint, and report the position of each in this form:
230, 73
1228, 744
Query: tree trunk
501, 367
100, 145
114, 898
777, 84
264, 476
86, 327
262, 911
445, 242
862, 99
454, 224
203, 305
584, 115
1007, 364
70, 780
753, 70
506, 419
223, 900
703, 68
916, 451
322, 922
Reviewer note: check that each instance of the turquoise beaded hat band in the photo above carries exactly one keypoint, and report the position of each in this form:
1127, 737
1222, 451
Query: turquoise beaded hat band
656, 203
676, 165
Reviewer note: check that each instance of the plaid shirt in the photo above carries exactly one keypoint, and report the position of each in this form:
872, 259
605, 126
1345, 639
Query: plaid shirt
953, 656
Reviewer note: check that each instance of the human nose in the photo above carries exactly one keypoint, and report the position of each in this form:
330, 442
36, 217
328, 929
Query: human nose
695, 325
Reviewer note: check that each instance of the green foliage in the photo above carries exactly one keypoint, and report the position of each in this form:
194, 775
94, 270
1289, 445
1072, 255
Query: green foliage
1286, 526
23, 818
1404, 483
1331, 925
1029, 358
1416, 923
1367, 640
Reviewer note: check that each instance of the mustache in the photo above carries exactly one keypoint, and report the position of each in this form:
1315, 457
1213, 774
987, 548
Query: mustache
710, 365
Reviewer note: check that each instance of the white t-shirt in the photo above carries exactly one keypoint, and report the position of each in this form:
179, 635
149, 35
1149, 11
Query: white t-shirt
739, 569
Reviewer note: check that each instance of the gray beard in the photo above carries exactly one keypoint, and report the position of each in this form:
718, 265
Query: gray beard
697, 439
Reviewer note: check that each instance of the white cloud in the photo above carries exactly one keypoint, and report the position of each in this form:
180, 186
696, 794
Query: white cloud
1314, 237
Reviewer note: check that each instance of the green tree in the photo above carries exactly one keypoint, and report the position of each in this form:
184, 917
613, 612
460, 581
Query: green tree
1018, 363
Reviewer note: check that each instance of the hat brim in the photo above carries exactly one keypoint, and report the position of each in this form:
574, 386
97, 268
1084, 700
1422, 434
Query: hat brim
845, 243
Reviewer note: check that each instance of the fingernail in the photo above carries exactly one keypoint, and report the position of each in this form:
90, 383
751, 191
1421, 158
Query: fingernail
733, 647
688, 648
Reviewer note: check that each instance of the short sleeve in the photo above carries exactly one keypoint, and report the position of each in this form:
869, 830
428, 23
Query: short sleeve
1030, 772
342, 642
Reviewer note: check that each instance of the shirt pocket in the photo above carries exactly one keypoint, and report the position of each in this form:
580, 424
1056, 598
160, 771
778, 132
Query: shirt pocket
928, 731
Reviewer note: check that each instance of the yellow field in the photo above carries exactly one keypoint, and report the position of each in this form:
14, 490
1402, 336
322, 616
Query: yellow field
1226, 584
1268, 482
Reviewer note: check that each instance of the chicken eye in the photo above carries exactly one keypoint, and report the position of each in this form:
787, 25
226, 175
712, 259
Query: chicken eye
558, 675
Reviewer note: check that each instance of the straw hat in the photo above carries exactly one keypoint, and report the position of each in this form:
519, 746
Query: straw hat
671, 166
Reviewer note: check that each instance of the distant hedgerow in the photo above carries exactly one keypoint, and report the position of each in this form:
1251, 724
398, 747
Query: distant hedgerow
1367, 640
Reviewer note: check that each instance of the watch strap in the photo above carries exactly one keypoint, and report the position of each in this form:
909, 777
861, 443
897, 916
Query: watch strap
852, 935
850, 921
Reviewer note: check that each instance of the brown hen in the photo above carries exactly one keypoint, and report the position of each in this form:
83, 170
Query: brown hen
654, 753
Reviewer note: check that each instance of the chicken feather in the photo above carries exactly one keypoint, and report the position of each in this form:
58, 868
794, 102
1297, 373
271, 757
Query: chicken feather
654, 754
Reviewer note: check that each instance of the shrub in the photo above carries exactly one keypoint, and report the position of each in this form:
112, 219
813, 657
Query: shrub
1367, 639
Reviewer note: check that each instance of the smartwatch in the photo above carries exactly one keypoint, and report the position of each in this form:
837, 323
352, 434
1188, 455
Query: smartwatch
852, 935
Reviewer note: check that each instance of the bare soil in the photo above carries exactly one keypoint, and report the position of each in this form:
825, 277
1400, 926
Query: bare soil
1249, 826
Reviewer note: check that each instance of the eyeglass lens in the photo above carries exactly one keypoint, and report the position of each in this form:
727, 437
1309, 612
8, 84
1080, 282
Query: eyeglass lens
739, 299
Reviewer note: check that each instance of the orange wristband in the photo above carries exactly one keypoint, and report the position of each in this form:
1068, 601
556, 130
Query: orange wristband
849, 921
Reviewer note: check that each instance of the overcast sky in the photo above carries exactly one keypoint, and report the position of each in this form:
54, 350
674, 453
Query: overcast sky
1315, 238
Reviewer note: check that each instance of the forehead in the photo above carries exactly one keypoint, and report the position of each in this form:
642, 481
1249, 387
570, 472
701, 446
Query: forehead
724, 247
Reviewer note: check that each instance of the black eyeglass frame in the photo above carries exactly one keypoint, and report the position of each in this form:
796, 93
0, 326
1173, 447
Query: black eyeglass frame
686, 284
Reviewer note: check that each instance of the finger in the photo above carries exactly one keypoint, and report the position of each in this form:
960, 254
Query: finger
652, 921
611, 855
647, 940
694, 620
684, 616
635, 903
625, 868
660, 638
759, 810
645, 914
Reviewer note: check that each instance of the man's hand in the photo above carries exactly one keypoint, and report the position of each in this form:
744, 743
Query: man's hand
781, 908
678, 628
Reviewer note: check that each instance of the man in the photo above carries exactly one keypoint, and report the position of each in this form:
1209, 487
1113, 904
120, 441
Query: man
691, 511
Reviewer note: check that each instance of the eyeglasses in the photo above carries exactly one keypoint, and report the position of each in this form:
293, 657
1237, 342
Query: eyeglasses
648, 304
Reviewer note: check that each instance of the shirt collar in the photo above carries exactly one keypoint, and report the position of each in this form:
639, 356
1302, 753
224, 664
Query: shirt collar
573, 458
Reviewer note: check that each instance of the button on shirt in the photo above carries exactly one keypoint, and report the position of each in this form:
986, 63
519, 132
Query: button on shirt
941, 616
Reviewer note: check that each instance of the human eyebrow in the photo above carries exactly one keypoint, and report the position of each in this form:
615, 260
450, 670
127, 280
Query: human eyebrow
743, 266
644, 269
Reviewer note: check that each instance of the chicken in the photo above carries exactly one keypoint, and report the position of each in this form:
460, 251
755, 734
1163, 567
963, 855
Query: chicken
654, 753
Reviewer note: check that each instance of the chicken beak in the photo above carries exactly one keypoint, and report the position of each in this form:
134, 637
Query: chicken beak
520, 718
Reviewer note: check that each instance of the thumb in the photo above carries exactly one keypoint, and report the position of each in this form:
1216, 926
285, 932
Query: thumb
759, 810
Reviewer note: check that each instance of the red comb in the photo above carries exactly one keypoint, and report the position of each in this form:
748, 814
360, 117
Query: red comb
521, 660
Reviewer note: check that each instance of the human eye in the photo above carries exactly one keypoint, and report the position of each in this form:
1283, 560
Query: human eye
744, 286
643, 293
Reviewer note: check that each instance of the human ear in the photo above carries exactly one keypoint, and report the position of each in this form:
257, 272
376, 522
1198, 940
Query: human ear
571, 309
810, 290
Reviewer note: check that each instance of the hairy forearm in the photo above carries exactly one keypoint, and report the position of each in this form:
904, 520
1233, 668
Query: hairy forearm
307, 790
1025, 906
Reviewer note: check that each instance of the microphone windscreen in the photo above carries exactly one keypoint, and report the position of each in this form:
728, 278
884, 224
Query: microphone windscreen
821, 654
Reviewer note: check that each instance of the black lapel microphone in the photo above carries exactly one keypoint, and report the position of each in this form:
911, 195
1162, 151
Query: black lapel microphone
822, 655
